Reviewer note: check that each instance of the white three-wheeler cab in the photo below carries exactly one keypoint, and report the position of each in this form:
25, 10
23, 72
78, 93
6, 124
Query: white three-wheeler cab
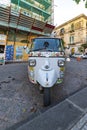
46, 64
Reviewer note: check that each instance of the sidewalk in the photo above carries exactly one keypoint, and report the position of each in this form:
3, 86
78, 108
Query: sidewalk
71, 114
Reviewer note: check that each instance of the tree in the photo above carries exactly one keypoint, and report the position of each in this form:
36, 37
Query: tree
84, 45
81, 49
77, 1
63, 43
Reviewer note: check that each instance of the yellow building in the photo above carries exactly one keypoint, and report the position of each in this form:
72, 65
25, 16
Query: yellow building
73, 32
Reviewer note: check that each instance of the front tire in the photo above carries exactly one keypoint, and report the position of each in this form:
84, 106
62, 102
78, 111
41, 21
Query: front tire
46, 97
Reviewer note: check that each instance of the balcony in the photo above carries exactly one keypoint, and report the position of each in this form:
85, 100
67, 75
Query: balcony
46, 3
71, 31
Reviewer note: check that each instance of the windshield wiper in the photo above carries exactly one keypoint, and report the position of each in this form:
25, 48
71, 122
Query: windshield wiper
38, 49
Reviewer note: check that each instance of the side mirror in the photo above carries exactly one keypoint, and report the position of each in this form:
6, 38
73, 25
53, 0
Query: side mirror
27, 50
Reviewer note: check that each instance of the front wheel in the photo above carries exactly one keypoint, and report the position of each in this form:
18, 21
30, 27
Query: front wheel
46, 97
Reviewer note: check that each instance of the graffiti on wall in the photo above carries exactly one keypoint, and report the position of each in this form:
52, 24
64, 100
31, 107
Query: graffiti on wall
9, 52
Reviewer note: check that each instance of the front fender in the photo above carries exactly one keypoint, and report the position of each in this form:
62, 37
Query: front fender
46, 78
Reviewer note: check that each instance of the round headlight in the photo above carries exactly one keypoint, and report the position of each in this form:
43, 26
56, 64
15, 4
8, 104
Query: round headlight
32, 62
61, 63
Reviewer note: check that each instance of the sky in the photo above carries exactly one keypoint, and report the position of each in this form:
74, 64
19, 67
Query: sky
65, 10
5, 2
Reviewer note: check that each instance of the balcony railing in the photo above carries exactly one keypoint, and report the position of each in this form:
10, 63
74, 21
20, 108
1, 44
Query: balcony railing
27, 5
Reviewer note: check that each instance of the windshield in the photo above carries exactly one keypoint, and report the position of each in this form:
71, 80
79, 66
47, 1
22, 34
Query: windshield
47, 44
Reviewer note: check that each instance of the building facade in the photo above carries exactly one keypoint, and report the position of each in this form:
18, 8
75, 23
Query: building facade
73, 32
22, 20
39, 9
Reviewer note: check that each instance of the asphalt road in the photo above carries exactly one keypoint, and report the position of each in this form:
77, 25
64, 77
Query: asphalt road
19, 99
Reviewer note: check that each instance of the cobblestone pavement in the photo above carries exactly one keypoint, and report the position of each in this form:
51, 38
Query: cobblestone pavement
19, 99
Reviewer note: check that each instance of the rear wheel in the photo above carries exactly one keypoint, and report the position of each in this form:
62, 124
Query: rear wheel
46, 97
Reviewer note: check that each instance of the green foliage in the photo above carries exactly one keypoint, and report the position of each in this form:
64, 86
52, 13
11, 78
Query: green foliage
63, 43
77, 1
72, 51
84, 45
81, 49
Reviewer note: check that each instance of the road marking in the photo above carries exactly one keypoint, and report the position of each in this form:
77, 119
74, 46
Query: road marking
82, 110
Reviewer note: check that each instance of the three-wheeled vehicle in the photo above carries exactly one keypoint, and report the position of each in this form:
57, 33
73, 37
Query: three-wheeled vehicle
46, 64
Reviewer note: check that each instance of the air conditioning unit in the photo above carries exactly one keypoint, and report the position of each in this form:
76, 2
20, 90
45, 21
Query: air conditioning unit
26, 13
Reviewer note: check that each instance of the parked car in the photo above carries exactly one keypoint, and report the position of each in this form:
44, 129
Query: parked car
84, 56
75, 55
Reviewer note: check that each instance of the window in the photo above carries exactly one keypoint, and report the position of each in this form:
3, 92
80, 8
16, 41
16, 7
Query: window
62, 31
71, 39
72, 27
86, 24
78, 25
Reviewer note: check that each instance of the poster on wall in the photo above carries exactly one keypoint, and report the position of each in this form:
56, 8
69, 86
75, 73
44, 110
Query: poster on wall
19, 52
2, 39
9, 52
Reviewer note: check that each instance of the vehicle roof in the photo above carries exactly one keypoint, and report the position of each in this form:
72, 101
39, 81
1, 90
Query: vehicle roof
46, 38
77, 53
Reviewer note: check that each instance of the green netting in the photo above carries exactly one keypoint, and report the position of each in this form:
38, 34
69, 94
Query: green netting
46, 3
14, 1
28, 6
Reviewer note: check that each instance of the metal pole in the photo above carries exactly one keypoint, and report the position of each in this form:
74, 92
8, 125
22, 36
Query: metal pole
18, 3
